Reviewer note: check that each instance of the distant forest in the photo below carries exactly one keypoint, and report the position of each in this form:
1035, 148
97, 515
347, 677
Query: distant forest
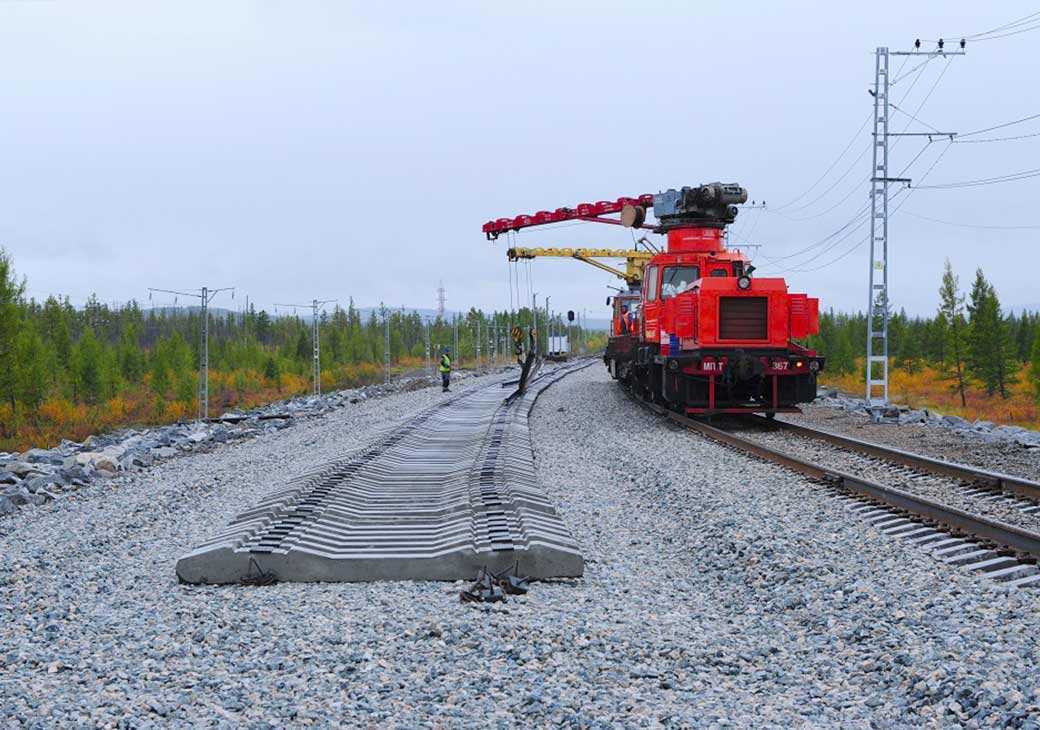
969, 343
66, 372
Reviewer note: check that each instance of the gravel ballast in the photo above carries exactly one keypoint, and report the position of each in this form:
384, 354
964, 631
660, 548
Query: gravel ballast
967, 446
717, 588
939, 488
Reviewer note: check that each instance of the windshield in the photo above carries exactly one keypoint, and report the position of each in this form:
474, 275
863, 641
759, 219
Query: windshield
677, 279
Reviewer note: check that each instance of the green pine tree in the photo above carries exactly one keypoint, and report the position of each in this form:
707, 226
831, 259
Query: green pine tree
303, 347
271, 371
1004, 359
33, 370
1034, 368
130, 355
10, 323
954, 331
843, 359
991, 358
160, 369
89, 367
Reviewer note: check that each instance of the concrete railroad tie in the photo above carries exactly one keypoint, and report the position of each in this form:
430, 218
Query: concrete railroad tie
450, 491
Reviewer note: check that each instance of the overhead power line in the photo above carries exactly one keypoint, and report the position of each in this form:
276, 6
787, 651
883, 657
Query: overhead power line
1032, 17
1011, 33
999, 126
978, 182
997, 139
857, 217
972, 225
848, 171
837, 181
829, 167
905, 192
1020, 25
861, 212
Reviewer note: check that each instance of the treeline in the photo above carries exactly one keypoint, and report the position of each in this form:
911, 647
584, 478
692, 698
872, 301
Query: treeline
67, 371
970, 341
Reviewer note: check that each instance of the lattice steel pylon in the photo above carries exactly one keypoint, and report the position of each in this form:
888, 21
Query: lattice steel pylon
878, 302
315, 305
386, 343
205, 296
441, 299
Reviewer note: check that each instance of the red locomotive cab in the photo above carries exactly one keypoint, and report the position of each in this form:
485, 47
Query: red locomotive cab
696, 331
718, 312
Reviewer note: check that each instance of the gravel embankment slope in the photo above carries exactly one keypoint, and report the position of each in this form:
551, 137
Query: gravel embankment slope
716, 588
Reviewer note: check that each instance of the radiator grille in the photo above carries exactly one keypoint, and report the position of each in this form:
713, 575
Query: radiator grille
743, 318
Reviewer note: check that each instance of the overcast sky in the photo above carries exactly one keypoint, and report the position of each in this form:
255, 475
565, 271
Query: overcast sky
305, 149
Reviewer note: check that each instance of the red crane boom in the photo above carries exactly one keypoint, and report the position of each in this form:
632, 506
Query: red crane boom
583, 212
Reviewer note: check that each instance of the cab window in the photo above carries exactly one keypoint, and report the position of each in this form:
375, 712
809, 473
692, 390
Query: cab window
677, 279
719, 272
651, 283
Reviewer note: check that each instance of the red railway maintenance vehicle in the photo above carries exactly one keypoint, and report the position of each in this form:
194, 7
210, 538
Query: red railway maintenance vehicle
694, 330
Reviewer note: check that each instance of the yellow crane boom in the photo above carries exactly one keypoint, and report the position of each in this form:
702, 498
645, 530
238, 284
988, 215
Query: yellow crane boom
634, 260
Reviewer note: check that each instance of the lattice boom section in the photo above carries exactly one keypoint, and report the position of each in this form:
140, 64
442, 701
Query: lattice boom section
435, 499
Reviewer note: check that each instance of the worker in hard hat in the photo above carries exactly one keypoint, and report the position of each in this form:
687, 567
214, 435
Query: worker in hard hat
445, 370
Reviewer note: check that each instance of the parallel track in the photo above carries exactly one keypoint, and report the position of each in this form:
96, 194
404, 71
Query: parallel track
1002, 551
991, 480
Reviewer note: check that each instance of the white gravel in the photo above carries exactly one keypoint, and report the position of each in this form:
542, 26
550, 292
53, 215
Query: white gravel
719, 590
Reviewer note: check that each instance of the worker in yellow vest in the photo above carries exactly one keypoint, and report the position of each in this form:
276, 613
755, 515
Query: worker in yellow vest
445, 370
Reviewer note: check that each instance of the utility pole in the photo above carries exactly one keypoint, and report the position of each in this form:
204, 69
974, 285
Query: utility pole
455, 329
534, 317
878, 301
548, 328
315, 307
205, 296
429, 365
476, 344
583, 324
386, 344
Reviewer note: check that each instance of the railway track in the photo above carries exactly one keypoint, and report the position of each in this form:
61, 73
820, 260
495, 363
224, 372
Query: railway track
906, 495
449, 491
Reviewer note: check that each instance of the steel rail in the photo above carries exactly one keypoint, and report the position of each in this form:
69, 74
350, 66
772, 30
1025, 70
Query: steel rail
1000, 533
985, 478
